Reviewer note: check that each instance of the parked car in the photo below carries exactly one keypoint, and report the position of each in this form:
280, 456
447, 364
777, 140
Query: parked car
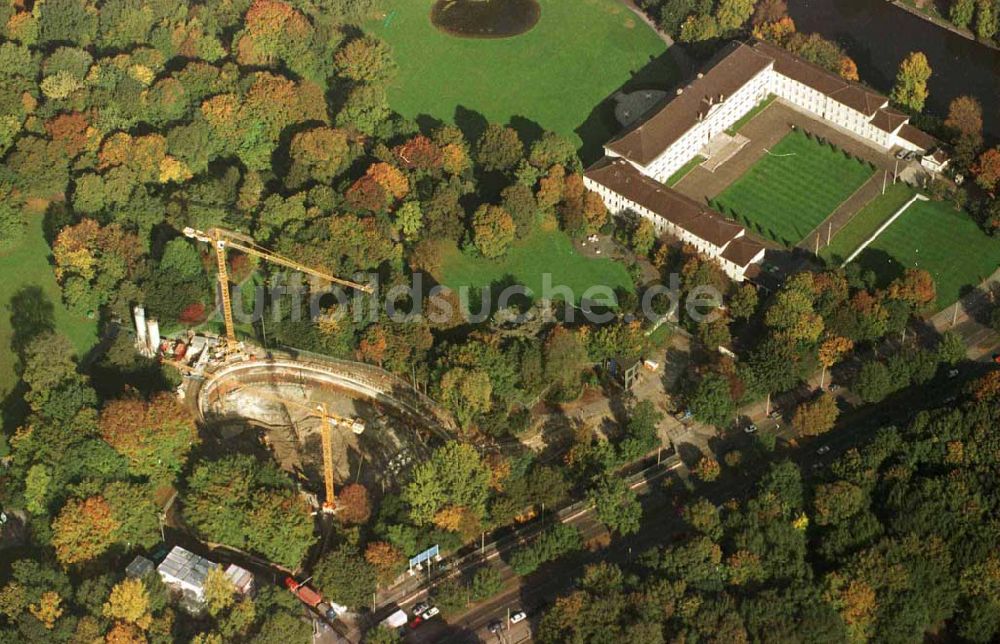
749, 429
517, 616
823, 450
431, 612
416, 621
775, 414
420, 608
495, 626
952, 373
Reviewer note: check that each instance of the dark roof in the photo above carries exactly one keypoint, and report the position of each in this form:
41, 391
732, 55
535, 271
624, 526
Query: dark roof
853, 95
730, 70
888, 119
622, 177
742, 250
940, 155
736, 65
918, 138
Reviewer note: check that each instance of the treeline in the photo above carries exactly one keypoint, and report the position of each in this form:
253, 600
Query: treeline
892, 542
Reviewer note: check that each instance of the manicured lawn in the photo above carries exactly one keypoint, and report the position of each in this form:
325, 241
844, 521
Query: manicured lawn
578, 55
792, 189
933, 236
25, 268
528, 261
864, 224
682, 172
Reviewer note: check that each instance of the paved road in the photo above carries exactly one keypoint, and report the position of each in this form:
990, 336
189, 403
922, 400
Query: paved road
660, 520
855, 426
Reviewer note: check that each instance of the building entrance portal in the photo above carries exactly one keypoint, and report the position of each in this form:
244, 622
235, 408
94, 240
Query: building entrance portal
721, 148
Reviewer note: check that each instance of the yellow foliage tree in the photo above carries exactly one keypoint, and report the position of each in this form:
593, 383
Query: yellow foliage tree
48, 609
129, 603
219, 591
830, 353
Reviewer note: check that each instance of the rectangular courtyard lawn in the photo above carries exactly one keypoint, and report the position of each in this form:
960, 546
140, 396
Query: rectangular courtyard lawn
793, 188
931, 235
527, 261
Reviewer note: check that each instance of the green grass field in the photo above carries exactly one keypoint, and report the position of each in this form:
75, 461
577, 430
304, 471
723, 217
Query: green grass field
23, 267
555, 75
528, 260
864, 224
790, 191
933, 236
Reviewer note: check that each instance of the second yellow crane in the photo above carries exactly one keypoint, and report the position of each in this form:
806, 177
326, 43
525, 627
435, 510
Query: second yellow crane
328, 422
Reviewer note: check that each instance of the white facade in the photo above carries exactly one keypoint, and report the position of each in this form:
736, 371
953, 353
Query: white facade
715, 114
620, 205
721, 113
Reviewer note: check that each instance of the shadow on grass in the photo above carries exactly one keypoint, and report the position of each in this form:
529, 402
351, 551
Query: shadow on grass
885, 267
659, 72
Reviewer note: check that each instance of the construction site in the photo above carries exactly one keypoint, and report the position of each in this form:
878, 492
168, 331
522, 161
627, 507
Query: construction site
328, 422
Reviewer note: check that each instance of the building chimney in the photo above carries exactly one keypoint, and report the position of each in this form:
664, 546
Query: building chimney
153, 330
139, 315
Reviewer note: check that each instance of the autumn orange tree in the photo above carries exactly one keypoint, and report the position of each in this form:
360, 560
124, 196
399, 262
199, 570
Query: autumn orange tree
353, 506
155, 436
987, 169
817, 416
387, 559
83, 531
830, 353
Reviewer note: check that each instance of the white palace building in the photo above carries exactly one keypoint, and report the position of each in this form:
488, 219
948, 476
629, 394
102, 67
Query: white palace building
630, 177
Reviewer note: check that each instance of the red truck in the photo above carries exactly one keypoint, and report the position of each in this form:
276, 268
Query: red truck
314, 600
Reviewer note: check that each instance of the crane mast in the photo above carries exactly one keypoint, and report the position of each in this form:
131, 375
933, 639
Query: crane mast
221, 239
328, 421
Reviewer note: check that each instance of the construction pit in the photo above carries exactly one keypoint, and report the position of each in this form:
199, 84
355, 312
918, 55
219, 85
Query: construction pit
278, 402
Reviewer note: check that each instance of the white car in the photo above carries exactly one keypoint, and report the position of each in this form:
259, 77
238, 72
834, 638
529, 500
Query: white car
749, 429
431, 612
518, 616
420, 608
823, 450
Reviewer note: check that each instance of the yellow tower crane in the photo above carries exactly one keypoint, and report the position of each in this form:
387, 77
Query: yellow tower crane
328, 421
222, 239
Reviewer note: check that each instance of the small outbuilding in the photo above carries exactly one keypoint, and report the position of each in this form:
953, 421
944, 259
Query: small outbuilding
185, 572
242, 580
139, 568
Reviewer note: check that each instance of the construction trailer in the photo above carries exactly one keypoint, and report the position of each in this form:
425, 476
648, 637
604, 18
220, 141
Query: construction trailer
242, 580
